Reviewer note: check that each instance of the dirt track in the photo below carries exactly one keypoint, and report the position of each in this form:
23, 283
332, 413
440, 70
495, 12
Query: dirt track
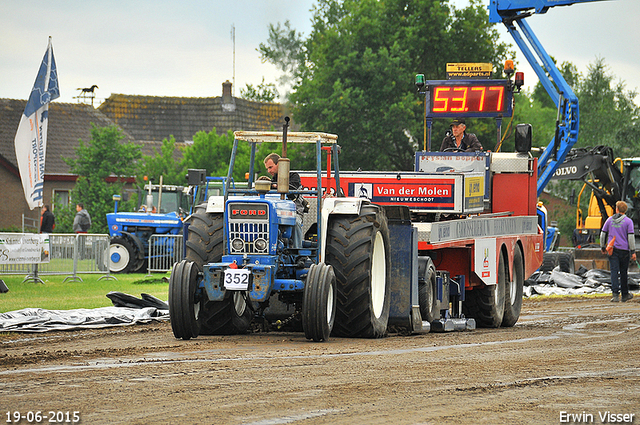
574, 356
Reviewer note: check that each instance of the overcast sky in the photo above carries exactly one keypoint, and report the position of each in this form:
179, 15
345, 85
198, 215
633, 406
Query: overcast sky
171, 48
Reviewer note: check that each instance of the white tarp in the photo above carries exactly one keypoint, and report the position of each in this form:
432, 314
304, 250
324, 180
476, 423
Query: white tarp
127, 310
40, 320
594, 281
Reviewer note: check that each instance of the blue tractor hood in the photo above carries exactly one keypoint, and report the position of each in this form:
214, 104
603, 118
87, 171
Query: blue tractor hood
283, 212
163, 223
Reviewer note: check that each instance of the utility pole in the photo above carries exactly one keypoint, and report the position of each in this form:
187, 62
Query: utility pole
233, 38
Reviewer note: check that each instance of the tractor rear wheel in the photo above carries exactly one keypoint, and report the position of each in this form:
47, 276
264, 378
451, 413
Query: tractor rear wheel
358, 250
549, 261
227, 317
205, 245
566, 262
513, 291
319, 302
184, 300
121, 255
486, 304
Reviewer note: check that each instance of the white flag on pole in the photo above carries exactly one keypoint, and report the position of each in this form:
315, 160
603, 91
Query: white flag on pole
31, 137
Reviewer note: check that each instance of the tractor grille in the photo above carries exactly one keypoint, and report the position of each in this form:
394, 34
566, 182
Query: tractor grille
248, 228
248, 233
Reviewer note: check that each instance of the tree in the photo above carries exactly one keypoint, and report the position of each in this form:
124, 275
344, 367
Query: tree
608, 114
164, 164
570, 74
285, 49
212, 152
104, 157
263, 92
529, 110
354, 74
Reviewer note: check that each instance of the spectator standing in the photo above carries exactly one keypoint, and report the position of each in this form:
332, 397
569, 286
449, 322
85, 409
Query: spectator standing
619, 229
47, 220
82, 220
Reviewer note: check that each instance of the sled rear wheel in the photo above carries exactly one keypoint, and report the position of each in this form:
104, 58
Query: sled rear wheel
486, 304
427, 292
513, 291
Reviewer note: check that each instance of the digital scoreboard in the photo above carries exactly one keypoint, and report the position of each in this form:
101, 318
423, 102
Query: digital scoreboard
469, 98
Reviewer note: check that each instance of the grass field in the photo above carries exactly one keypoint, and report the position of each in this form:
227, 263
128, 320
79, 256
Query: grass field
55, 294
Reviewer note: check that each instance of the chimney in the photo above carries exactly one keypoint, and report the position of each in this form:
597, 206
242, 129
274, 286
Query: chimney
226, 91
228, 102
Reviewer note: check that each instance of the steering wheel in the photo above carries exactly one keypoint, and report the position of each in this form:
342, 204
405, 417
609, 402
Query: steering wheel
453, 150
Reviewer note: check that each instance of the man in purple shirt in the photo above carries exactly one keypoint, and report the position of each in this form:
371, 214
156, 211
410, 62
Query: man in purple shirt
621, 227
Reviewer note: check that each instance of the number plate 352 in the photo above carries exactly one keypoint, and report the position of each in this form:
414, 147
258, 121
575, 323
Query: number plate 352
237, 279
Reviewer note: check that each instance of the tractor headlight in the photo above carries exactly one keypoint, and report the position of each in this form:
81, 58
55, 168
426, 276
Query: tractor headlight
237, 244
261, 245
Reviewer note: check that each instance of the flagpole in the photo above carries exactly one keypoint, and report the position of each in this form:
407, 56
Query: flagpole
48, 75
31, 136
46, 88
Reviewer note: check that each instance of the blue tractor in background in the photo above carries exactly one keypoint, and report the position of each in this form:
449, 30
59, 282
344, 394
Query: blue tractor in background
552, 257
162, 213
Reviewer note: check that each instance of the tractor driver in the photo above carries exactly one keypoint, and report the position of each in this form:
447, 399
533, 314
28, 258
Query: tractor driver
459, 139
271, 164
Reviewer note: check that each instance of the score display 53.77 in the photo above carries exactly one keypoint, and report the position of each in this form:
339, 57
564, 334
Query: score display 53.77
469, 98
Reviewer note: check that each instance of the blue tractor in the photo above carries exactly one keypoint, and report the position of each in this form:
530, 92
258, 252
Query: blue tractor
162, 213
242, 262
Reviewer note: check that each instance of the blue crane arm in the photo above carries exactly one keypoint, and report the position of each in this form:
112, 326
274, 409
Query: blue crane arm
568, 120
510, 13
501, 8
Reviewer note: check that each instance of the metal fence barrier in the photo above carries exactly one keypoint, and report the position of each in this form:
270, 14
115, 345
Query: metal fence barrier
30, 223
164, 252
70, 254
73, 254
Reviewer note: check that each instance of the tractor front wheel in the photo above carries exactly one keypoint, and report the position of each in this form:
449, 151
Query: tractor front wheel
318, 306
184, 300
